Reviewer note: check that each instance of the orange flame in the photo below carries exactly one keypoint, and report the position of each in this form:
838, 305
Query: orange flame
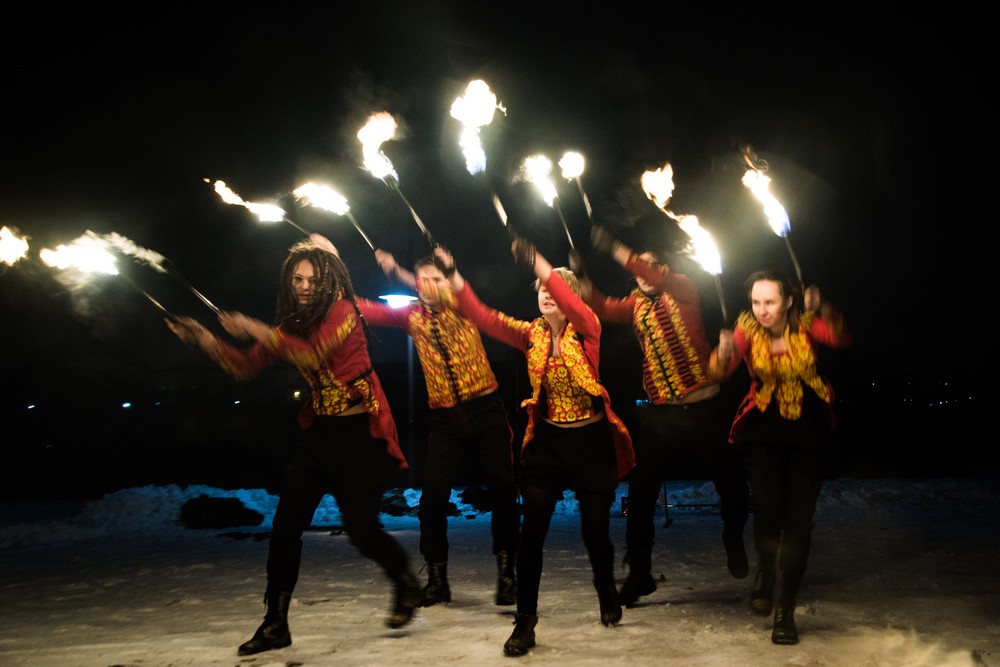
87, 254
12, 247
474, 110
264, 212
777, 216
381, 127
659, 185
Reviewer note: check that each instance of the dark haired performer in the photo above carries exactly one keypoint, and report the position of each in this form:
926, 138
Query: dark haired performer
348, 445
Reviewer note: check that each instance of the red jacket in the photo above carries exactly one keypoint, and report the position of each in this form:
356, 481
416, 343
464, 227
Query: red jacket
334, 361
581, 339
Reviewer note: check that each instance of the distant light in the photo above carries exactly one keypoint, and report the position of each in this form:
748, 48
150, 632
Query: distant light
236, 402
127, 405
31, 406
642, 402
297, 394
398, 300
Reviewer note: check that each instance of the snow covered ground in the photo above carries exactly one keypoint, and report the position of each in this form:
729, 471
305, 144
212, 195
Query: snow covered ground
903, 572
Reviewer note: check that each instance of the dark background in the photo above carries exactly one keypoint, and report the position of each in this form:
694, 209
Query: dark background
874, 132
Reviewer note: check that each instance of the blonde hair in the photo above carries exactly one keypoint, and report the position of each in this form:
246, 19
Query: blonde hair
568, 277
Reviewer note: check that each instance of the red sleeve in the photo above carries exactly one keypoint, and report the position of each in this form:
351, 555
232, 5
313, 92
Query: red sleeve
677, 285
830, 332
573, 307
493, 323
716, 370
611, 309
579, 313
384, 315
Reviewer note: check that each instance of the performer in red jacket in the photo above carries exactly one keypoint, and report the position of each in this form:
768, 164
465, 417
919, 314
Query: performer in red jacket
573, 438
348, 445
781, 428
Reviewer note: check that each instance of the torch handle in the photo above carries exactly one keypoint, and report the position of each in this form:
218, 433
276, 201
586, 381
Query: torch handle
360, 231
562, 219
795, 262
190, 287
416, 218
722, 301
296, 226
586, 201
170, 316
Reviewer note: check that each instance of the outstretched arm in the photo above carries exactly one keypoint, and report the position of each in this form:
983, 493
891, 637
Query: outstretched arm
391, 268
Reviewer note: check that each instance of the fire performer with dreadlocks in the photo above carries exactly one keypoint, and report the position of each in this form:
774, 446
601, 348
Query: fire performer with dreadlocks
348, 445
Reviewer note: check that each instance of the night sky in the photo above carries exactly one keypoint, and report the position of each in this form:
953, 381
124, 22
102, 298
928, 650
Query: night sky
115, 121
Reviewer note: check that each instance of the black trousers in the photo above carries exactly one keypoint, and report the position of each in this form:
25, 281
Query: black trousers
480, 424
786, 480
582, 460
669, 434
337, 455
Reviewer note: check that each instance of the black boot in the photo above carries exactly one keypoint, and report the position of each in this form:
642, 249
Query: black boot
611, 608
523, 637
784, 631
437, 589
273, 632
736, 553
639, 581
762, 593
506, 579
408, 597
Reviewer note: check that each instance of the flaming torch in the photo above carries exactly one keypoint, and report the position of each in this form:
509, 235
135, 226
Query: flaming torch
381, 127
155, 260
90, 254
537, 170
755, 179
328, 199
572, 168
475, 110
264, 212
12, 247
659, 187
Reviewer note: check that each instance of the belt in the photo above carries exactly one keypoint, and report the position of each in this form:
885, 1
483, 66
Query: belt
696, 396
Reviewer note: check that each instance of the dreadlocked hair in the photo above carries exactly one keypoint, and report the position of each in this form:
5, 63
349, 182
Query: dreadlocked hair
332, 278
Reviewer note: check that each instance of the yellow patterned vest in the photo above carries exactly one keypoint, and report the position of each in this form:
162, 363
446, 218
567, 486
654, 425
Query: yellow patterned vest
672, 365
574, 371
452, 357
782, 377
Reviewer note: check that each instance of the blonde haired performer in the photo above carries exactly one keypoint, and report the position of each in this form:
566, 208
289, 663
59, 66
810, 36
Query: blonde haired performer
573, 439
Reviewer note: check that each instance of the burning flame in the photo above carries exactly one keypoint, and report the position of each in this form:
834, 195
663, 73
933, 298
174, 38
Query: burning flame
381, 127
12, 247
571, 165
572, 169
536, 169
322, 196
659, 185
325, 197
702, 248
127, 247
88, 254
776, 214
264, 212
474, 110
